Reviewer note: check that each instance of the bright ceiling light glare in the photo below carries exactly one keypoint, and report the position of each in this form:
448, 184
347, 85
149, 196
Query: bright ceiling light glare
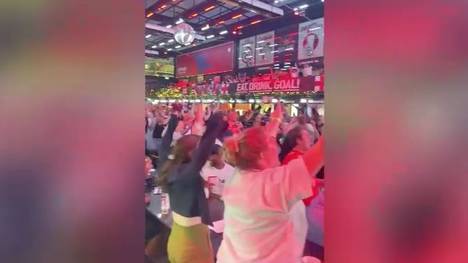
205, 27
314, 28
255, 22
178, 46
162, 44
224, 32
170, 41
210, 36
169, 49
154, 46
148, 36
323, 1
209, 8
180, 21
151, 13
261, 41
236, 16
303, 6
168, 26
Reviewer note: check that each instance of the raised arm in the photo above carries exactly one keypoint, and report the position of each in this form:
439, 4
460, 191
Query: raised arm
214, 127
167, 139
276, 117
314, 157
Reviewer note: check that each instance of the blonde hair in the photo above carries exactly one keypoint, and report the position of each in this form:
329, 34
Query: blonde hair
244, 151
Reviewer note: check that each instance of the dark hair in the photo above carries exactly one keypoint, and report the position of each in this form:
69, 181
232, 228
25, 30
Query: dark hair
181, 153
290, 141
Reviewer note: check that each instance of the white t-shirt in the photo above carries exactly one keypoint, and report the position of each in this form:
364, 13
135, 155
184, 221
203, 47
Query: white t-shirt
222, 175
259, 215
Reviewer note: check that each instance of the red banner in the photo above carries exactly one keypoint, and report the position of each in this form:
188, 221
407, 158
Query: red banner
282, 84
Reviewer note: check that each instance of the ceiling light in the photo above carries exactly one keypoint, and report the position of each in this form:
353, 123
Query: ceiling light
276, 1
303, 6
209, 8
148, 36
323, 1
162, 44
258, 48
256, 22
154, 46
287, 63
274, 51
193, 15
151, 13
210, 36
314, 28
170, 41
289, 48
178, 46
261, 54
169, 49
295, 9
180, 21
168, 26
261, 41
205, 27
223, 32
236, 16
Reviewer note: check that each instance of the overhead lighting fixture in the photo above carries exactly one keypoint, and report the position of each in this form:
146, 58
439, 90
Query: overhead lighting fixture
258, 48
148, 36
154, 46
209, 8
162, 44
323, 1
274, 51
261, 54
314, 28
178, 46
255, 22
180, 21
276, 65
261, 41
169, 49
239, 27
287, 63
303, 6
151, 13
205, 27
220, 22
170, 41
289, 48
236, 16
163, 6
210, 36
168, 26
193, 15
224, 32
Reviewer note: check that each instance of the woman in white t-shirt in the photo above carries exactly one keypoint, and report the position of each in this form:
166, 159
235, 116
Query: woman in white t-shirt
258, 199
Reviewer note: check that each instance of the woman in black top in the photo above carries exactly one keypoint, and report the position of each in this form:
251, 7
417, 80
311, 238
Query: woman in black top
180, 176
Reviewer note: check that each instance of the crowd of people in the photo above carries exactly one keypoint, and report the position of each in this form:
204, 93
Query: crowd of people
264, 165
